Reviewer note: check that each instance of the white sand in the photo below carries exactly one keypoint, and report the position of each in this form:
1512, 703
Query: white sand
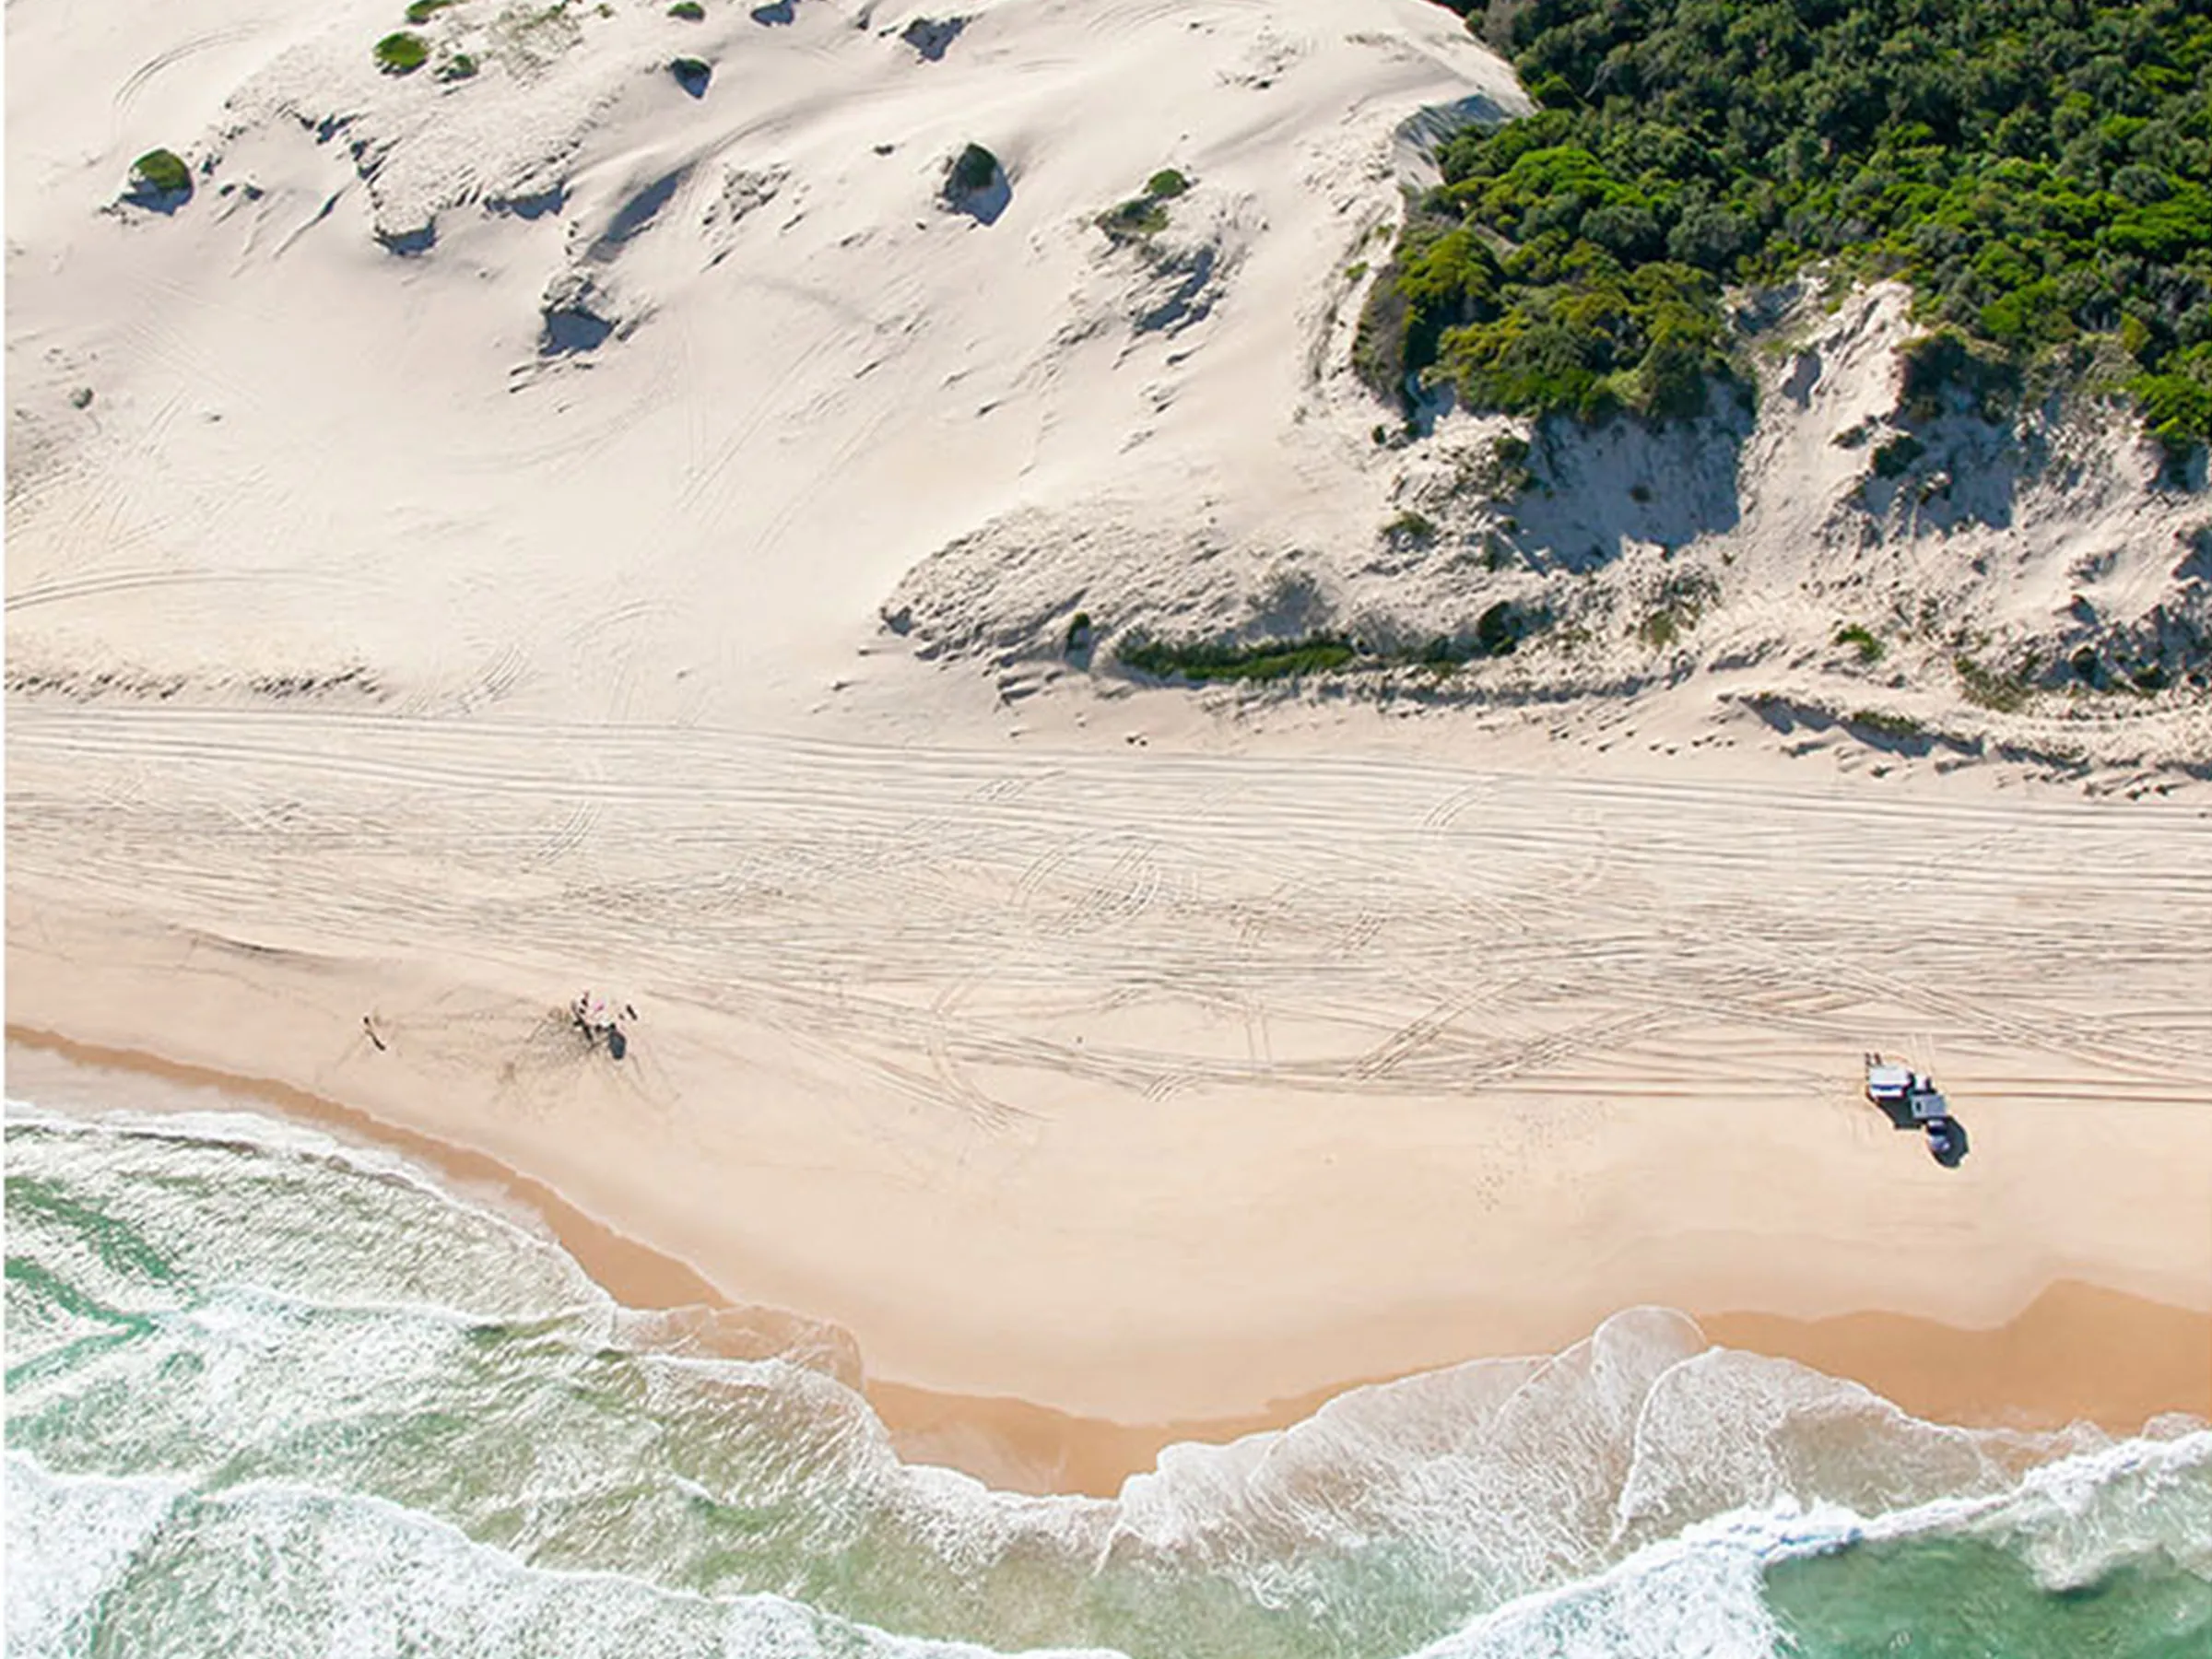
1148, 1054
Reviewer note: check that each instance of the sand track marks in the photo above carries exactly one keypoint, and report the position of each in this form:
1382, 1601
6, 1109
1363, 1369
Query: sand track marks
951, 927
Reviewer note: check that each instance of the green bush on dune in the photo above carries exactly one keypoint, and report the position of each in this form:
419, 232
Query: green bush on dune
162, 172
972, 170
2038, 170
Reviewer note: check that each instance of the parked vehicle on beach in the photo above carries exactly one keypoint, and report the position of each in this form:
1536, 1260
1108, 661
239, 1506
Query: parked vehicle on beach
1911, 1101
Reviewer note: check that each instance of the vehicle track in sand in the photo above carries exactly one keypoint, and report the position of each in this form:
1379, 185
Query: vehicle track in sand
945, 922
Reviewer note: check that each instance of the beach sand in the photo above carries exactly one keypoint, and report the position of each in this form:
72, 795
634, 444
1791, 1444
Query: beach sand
453, 564
2066, 1350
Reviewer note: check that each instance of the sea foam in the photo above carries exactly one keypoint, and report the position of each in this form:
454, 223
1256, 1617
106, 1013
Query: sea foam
263, 1344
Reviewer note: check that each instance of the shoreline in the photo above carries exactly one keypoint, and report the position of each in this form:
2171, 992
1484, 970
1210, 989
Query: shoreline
2076, 1351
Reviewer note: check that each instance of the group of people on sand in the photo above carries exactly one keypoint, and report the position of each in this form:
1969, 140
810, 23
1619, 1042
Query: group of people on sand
599, 1025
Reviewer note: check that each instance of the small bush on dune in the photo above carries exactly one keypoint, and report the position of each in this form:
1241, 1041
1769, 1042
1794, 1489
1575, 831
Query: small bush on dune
402, 53
1133, 220
691, 73
161, 172
422, 11
1145, 215
460, 67
690, 11
972, 170
1410, 525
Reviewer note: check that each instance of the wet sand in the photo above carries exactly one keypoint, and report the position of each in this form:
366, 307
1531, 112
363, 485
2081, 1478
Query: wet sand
2076, 1352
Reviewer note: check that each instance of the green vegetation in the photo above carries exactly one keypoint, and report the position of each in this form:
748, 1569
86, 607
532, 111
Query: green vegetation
2038, 170
691, 73
1135, 220
1145, 215
1682, 600
1079, 634
460, 67
161, 172
1410, 527
1883, 725
1267, 660
1984, 686
690, 11
422, 11
1498, 632
1862, 640
1895, 458
402, 53
972, 170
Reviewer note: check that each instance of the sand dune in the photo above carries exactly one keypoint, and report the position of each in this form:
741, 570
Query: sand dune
669, 391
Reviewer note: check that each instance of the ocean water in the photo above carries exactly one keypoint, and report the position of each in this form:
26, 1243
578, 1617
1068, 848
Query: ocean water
270, 1394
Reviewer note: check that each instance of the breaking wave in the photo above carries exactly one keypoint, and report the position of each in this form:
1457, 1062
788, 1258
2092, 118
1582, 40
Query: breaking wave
273, 1392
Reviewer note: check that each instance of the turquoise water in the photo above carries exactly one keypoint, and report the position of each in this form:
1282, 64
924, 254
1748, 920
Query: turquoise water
268, 1394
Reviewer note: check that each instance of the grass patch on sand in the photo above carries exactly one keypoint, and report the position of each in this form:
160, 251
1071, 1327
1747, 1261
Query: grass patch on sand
422, 11
1986, 689
402, 53
1882, 723
1145, 215
1869, 650
1265, 660
1498, 632
690, 11
1682, 600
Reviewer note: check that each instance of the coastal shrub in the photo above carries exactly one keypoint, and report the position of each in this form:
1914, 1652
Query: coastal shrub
691, 73
1079, 634
1893, 458
1937, 366
1166, 184
690, 11
1499, 629
458, 67
972, 170
2038, 170
402, 53
422, 11
161, 172
1410, 527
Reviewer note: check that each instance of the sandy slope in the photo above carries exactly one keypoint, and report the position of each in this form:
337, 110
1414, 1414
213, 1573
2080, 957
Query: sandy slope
377, 648
306, 454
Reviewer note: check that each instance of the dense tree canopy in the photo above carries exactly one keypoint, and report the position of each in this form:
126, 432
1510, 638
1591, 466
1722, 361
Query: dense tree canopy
2040, 170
